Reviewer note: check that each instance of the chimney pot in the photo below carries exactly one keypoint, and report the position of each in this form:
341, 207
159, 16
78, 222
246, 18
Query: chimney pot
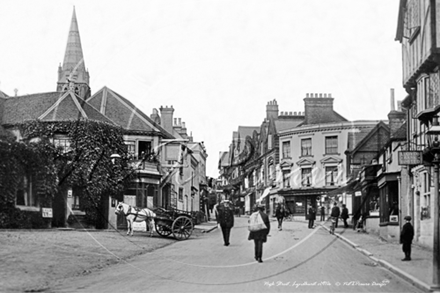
392, 100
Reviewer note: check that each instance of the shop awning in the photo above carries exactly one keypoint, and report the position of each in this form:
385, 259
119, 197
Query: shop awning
351, 187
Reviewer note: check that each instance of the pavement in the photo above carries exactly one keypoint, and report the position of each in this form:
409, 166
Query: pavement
389, 255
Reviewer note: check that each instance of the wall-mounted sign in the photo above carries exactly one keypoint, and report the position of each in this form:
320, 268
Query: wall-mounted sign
358, 193
46, 212
410, 157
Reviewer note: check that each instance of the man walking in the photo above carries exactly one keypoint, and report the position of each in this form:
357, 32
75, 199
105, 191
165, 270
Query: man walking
312, 216
344, 215
224, 215
322, 212
406, 238
335, 213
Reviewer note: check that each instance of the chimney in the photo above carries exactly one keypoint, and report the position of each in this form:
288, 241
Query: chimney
392, 100
272, 110
166, 118
318, 108
155, 116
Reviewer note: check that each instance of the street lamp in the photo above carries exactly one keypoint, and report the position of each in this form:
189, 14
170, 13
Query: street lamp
434, 149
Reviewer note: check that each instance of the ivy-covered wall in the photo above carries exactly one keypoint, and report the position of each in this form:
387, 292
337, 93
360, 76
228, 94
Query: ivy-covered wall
86, 167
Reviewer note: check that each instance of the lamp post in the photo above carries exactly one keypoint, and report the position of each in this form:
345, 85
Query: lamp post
434, 130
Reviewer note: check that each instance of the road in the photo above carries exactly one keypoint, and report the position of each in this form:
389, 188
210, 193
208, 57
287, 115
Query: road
296, 259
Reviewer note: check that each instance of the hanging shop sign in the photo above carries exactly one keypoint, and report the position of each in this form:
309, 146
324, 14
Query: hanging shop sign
410, 157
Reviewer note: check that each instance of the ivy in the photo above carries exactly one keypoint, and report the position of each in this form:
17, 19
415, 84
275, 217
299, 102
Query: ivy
86, 167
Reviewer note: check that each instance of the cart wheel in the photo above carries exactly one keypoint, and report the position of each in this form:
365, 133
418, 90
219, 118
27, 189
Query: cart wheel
182, 228
162, 230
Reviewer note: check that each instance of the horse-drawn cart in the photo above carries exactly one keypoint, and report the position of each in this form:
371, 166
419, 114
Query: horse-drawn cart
176, 222
167, 222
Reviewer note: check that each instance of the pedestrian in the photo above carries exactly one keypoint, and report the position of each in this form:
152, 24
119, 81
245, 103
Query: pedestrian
322, 212
224, 214
344, 215
335, 213
312, 216
279, 214
406, 237
260, 236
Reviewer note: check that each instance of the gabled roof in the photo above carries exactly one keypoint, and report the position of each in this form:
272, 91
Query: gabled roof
335, 117
52, 106
356, 140
122, 112
224, 160
283, 124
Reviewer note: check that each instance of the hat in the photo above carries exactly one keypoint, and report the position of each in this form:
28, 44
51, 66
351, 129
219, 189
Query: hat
408, 218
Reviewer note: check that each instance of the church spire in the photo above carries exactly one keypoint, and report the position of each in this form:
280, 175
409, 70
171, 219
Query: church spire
74, 69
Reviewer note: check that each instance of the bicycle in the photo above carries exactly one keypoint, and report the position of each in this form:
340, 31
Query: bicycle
333, 225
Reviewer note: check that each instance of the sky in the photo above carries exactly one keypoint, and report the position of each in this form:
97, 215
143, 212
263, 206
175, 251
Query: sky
217, 62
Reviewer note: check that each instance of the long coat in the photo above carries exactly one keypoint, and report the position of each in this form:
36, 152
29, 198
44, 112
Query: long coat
407, 234
262, 234
225, 215
344, 214
335, 212
312, 213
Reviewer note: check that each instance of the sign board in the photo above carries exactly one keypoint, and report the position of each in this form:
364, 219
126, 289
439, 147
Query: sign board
46, 212
394, 219
69, 193
358, 193
410, 157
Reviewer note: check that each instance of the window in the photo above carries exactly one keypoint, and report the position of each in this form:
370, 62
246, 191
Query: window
331, 144
286, 149
306, 147
286, 178
181, 194
144, 148
26, 194
131, 148
331, 174
62, 143
306, 176
412, 20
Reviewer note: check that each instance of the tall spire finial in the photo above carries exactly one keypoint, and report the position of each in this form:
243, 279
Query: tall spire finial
73, 67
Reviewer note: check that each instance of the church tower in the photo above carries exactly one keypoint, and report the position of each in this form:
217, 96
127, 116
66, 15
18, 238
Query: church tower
73, 74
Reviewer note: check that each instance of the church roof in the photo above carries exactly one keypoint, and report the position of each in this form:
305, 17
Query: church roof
124, 113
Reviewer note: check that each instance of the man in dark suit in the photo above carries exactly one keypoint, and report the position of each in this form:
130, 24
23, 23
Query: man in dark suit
224, 214
312, 216
344, 215
335, 213
406, 238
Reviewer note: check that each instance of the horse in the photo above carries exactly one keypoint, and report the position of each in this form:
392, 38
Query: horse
133, 214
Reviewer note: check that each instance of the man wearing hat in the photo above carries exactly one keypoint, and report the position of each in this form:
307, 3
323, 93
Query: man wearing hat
224, 214
406, 237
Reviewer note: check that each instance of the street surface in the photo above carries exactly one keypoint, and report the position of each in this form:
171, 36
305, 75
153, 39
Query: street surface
296, 259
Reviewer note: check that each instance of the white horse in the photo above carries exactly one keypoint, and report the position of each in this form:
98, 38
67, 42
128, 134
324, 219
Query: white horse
133, 214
